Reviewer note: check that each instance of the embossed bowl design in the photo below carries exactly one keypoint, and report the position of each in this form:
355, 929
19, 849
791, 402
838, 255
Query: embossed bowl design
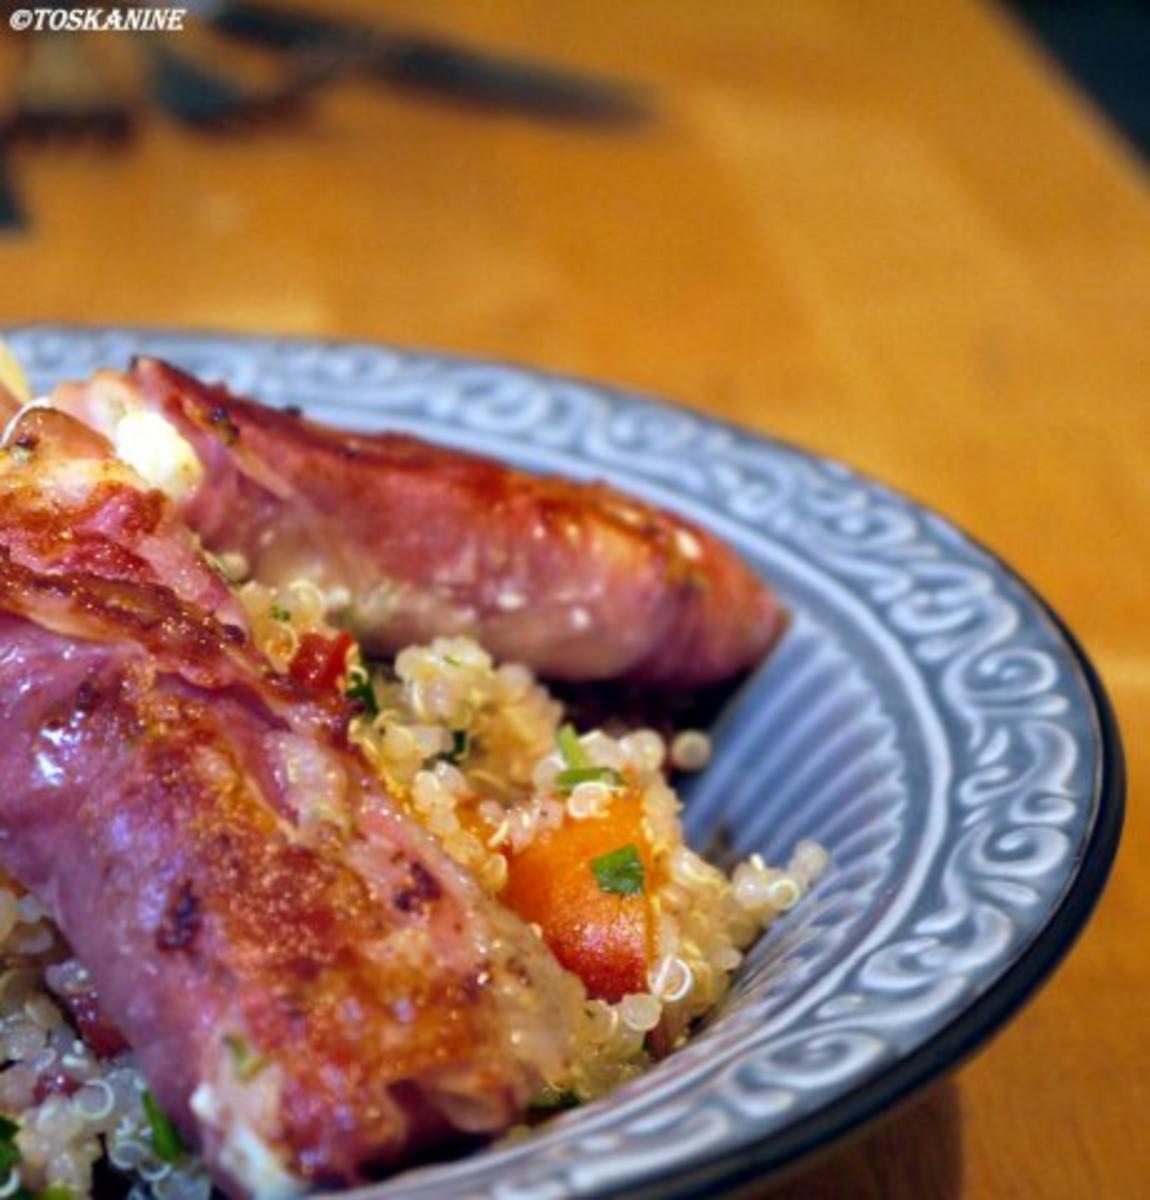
926, 718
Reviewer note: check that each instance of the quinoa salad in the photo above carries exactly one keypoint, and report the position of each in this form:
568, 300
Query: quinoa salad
543, 816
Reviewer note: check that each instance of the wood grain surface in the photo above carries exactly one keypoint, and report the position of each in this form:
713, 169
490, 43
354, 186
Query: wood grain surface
887, 229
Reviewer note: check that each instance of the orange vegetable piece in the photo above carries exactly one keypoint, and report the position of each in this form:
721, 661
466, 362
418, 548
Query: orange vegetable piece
606, 939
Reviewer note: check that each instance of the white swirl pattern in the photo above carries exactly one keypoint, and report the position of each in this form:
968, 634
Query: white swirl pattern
922, 719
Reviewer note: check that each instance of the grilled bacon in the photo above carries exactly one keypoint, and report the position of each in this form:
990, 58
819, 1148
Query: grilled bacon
412, 540
314, 991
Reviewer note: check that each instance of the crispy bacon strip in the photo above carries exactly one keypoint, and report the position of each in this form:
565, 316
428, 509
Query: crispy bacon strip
315, 992
577, 580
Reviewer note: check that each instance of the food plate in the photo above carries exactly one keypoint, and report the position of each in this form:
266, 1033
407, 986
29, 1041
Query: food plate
927, 719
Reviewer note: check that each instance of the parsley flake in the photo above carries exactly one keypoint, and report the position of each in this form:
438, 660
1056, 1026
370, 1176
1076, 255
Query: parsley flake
248, 1062
619, 872
555, 1100
460, 746
279, 613
570, 779
166, 1140
9, 1152
571, 748
360, 690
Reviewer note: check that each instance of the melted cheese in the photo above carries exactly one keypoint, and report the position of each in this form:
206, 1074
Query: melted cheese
243, 1153
163, 458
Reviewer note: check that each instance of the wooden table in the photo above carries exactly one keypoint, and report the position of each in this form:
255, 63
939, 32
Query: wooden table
886, 229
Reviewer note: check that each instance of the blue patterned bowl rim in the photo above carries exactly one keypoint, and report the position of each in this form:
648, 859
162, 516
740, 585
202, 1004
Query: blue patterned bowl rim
59, 349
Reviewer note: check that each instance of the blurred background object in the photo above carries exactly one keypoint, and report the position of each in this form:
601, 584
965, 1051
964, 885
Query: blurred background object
11, 214
194, 92
62, 90
437, 65
1105, 45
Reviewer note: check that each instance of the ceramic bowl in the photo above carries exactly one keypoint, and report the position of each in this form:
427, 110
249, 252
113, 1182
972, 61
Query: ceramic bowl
926, 718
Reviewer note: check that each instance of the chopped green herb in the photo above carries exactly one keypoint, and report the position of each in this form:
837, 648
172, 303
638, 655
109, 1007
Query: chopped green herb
460, 746
247, 1062
555, 1100
9, 1151
452, 660
279, 613
360, 690
571, 748
569, 779
57, 1191
620, 871
166, 1141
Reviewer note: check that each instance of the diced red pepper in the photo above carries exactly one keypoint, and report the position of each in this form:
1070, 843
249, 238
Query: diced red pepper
321, 662
55, 1083
104, 1039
